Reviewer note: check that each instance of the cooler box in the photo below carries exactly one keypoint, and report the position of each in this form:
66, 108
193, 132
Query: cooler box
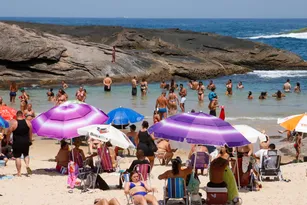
216, 196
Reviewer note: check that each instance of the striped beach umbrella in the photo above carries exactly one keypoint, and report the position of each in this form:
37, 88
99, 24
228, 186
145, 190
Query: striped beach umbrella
63, 121
294, 122
198, 128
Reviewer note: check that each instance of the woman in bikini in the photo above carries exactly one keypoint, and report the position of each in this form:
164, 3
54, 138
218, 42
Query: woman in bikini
297, 145
138, 190
201, 91
29, 113
61, 97
144, 87
229, 87
156, 117
50, 94
172, 102
23, 100
13, 91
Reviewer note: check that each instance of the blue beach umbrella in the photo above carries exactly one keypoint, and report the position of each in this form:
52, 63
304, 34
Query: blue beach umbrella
123, 116
4, 123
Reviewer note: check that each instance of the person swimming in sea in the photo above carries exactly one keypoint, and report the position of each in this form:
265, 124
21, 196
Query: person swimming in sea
297, 88
50, 94
250, 95
240, 85
263, 95
279, 95
287, 86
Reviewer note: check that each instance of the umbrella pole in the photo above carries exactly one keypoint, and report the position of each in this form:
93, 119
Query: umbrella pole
237, 165
195, 157
72, 151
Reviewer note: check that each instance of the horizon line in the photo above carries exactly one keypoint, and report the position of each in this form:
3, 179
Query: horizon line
124, 17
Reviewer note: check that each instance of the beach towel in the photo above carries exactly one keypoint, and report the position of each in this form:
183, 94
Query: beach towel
232, 188
73, 171
105, 157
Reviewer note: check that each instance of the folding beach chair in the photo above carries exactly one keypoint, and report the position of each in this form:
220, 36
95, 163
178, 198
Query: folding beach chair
270, 167
202, 161
144, 170
160, 156
175, 188
105, 159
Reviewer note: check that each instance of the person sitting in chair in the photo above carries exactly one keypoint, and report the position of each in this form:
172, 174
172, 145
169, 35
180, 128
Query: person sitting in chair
141, 159
62, 158
165, 148
221, 176
77, 154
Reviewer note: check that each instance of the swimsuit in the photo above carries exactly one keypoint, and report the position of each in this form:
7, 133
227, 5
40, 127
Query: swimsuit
142, 193
134, 91
29, 115
107, 89
12, 94
213, 112
162, 110
143, 88
183, 99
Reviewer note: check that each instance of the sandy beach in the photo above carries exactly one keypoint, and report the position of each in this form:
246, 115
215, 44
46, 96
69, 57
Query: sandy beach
44, 188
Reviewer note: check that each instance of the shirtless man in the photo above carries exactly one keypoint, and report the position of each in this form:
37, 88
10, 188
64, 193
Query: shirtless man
211, 85
194, 85
107, 82
161, 105
212, 106
172, 102
287, 86
240, 85
132, 134
217, 169
162, 84
229, 87
113, 54
134, 85
165, 147
1, 102
200, 91
297, 145
80, 94
183, 95
29, 113
64, 85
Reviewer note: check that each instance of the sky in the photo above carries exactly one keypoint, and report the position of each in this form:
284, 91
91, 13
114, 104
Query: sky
155, 8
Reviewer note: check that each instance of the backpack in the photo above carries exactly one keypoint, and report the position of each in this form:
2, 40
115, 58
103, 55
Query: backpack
93, 180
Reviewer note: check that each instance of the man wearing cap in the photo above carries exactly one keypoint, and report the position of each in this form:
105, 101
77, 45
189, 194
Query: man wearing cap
161, 105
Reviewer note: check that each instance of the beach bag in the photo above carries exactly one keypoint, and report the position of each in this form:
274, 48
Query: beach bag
90, 181
193, 186
101, 184
152, 145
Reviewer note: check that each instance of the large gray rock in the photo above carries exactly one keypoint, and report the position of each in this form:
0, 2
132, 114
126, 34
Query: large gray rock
49, 53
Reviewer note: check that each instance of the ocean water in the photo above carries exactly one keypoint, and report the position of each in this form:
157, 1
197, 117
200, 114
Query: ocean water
261, 114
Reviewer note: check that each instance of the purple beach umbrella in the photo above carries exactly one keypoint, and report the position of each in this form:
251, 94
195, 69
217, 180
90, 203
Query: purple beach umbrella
198, 128
63, 121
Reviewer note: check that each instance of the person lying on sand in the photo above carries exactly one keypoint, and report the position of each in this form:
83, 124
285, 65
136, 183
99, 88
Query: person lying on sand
103, 201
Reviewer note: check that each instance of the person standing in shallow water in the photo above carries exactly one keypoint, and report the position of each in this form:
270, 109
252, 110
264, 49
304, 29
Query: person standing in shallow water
229, 87
107, 82
183, 95
22, 140
113, 54
287, 86
13, 92
134, 85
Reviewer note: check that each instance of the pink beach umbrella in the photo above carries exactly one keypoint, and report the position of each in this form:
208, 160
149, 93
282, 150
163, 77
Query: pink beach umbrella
63, 121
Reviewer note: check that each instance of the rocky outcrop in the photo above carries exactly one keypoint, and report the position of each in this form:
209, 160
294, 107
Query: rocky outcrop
49, 53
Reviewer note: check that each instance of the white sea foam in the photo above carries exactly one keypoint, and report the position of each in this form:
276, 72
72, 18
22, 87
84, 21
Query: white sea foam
251, 118
279, 73
302, 35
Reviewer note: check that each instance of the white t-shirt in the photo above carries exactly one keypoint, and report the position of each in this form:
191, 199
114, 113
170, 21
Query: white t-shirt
260, 154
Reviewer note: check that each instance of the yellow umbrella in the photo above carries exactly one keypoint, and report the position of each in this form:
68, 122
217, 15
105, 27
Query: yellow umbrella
294, 122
